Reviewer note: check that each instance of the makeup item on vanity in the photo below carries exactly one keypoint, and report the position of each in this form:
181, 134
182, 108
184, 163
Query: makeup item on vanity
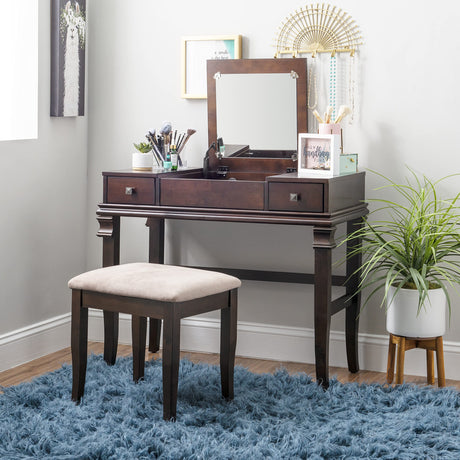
220, 148
329, 128
190, 132
318, 116
166, 128
167, 165
174, 158
329, 111
155, 147
344, 110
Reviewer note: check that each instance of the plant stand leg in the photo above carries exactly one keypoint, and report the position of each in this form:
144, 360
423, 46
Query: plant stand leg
400, 361
440, 362
430, 367
391, 359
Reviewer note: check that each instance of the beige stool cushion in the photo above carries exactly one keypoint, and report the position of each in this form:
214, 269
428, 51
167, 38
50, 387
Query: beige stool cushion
166, 283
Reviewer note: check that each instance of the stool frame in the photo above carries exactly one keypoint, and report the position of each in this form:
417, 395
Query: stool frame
171, 313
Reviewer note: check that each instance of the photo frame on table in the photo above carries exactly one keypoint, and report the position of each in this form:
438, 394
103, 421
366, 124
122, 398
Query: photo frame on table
318, 155
196, 51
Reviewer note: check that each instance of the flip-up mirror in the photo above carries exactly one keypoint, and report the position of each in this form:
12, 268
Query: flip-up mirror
257, 106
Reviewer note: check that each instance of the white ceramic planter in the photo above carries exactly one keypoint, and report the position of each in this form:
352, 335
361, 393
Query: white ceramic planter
402, 318
142, 161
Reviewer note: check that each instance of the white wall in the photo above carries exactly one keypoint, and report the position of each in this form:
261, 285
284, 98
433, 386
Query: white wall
407, 116
43, 209
406, 86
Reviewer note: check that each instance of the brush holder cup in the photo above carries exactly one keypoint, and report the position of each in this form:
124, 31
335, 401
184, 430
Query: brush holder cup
329, 128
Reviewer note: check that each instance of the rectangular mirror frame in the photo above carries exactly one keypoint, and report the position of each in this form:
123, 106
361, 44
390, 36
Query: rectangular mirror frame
242, 66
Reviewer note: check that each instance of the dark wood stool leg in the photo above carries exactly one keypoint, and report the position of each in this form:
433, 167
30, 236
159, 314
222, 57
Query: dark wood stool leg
79, 345
154, 335
430, 367
228, 325
400, 361
171, 357
440, 362
110, 337
138, 332
391, 359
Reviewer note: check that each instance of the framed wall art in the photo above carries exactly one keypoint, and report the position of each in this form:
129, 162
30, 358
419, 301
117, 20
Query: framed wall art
318, 155
196, 51
68, 46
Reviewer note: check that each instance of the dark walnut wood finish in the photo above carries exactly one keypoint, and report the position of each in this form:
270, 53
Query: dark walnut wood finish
256, 66
171, 313
321, 203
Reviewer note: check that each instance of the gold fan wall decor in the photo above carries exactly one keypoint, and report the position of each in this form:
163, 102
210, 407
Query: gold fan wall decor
318, 28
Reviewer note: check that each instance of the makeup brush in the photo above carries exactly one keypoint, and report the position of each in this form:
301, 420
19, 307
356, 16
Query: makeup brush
155, 148
190, 133
344, 110
179, 140
166, 128
317, 116
329, 111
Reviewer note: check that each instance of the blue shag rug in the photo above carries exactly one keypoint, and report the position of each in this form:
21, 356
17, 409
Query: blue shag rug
272, 416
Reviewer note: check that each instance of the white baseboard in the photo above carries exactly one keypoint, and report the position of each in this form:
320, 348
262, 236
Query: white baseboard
34, 341
283, 343
280, 343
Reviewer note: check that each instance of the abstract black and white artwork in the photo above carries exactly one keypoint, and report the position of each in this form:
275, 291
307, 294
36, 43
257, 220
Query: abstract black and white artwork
68, 45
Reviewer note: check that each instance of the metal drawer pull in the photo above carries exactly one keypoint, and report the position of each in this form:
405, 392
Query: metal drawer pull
294, 197
130, 190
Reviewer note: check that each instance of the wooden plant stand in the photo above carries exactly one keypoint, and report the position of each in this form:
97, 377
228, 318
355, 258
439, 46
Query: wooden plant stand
431, 345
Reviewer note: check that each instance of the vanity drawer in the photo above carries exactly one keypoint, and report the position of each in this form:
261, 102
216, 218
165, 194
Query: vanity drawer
295, 196
131, 190
209, 193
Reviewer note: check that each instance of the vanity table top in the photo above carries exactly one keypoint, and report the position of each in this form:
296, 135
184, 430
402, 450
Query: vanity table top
283, 198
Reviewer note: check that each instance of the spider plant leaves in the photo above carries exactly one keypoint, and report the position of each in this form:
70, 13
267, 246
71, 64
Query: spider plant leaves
415, 244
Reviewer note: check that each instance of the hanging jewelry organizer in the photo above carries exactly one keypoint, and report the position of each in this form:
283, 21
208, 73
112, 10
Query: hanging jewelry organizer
324, 29
318, 29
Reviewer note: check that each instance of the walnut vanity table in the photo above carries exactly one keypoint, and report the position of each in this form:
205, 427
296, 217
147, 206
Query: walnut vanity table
248, 185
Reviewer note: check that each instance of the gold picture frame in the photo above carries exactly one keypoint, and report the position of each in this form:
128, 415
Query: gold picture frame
196, 51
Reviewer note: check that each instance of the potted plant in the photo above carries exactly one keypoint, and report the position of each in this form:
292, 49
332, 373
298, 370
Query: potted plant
412, 255
143, 158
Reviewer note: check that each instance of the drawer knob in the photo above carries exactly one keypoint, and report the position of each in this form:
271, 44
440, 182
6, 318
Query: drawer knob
129, 190
294, 197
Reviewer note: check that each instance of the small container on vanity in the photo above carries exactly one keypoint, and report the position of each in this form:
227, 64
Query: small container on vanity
142, 160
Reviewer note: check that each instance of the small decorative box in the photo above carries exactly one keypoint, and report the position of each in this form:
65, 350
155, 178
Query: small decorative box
348, 163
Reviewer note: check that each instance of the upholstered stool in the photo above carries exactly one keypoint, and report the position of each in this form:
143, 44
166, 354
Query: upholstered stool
431, 345
157, 291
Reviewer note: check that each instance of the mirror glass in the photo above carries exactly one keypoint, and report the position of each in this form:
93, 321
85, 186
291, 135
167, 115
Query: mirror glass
257, 109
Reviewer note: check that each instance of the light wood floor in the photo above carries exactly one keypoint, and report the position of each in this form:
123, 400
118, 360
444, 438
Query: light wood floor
54, 361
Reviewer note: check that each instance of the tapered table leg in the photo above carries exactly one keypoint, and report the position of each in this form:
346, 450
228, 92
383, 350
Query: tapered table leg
156, 256
109, 230
228, 325
323, 243
352, 313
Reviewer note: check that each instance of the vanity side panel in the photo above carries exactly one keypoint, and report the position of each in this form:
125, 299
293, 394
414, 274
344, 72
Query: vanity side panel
345, 191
